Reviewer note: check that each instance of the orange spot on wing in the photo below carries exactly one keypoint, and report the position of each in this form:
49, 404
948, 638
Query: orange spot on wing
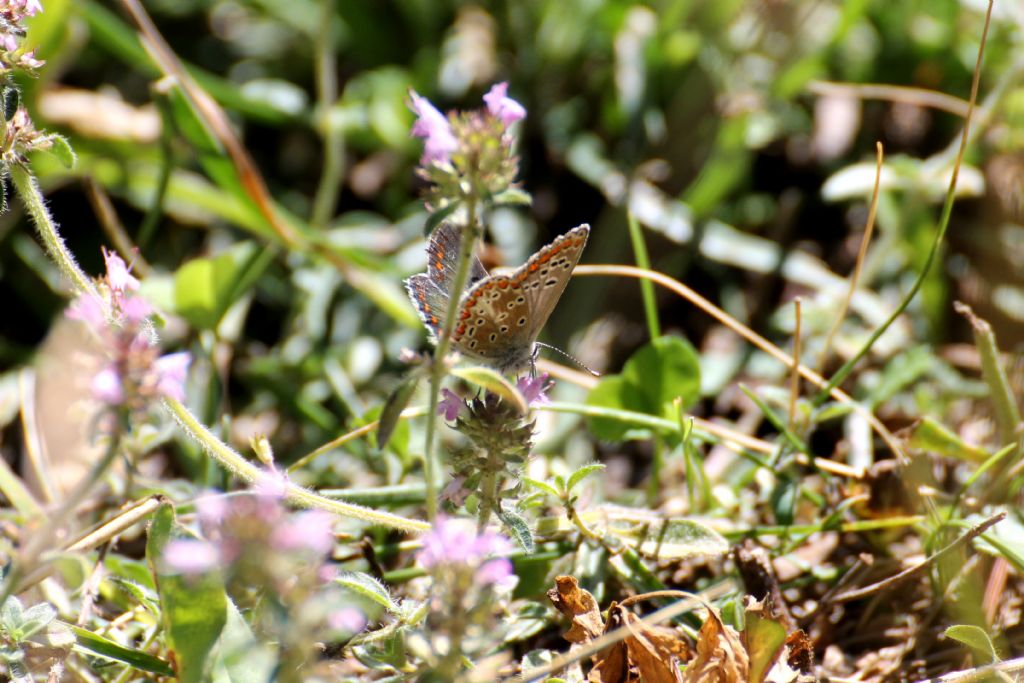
503, 284
533, 267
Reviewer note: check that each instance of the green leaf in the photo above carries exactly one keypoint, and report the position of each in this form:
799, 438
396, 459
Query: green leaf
194, 611
393, 407
975, 638
494, 382
763, 639
10, 614
36, 618
237, 657
929, 435
102, 647
366, 586
659, 372
1005, 539
614, 392
665, 368
204, 288
63, 152
581, 474
543, 486
513, 196
672, 538
518, 529
783, 500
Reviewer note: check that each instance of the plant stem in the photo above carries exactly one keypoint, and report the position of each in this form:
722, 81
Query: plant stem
326, 199
250, 473
947, 212
646, 286
437, 370
28, 190
488, 493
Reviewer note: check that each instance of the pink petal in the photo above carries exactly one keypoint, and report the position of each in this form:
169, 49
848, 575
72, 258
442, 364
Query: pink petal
88, 309
503, 107
312, 530
106, 386
118, 277
171, 371
192, 557
431, 125
135, 309
347, 619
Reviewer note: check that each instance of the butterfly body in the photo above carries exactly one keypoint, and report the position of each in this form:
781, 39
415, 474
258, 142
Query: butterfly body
499, 316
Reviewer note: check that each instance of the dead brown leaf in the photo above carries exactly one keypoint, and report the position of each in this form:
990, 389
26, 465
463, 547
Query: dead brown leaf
721, 657
580, 606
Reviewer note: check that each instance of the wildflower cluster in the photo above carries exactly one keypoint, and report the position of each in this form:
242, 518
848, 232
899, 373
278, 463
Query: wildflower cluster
133, 373
468, 151
470, 574
12, 16
253, 538
272, 561
500, 436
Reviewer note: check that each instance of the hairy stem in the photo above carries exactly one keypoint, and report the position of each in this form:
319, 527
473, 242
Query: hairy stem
28, 190
469, 234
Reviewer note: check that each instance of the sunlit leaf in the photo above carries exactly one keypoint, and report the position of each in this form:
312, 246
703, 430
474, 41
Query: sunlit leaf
494, 382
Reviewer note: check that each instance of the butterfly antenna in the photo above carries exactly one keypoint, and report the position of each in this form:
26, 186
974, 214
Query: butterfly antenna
574, 359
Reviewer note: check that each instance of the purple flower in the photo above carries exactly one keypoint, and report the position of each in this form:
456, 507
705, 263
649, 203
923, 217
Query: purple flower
271, 484
455, 492
106, 386
171, 371
450, 405
118, 276
88, 308
32, 7
347, 619
191, 557
455, 542
135, 309
503, 107
434, 128
497, 572
212, 509
535, 389
311, 530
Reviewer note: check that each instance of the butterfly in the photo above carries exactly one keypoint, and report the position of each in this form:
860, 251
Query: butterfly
499, 316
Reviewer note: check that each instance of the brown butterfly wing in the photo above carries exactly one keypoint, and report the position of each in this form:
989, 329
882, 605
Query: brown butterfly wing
547, 273
493, 324
443, 258
500, 317
430, 291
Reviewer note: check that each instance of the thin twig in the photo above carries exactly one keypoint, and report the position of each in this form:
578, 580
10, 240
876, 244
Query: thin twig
794, 380
326, 198
869, 228
947, 212
884, 584
892, 93
215, 117
107, 216
748, 334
